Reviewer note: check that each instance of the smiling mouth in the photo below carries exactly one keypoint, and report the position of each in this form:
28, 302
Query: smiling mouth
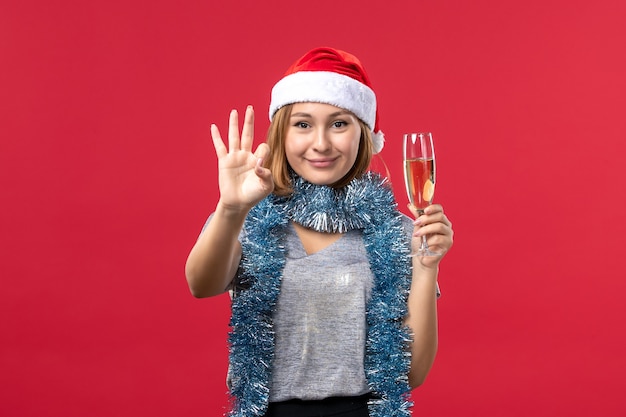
322, 163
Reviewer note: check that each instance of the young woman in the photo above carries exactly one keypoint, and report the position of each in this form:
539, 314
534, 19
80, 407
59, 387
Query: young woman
330, 314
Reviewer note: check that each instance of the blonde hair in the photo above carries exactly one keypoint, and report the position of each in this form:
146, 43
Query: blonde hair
276, 161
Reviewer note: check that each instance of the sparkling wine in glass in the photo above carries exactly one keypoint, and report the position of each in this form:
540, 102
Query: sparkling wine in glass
419, 177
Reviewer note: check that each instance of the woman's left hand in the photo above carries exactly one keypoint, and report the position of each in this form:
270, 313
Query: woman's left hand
438, 230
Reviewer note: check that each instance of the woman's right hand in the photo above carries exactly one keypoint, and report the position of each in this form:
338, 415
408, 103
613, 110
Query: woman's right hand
243, 181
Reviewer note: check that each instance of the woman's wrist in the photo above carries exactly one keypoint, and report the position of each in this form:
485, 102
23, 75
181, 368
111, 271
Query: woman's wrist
420, 269
233, 212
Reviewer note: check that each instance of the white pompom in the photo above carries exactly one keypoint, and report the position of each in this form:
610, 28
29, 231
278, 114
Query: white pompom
378, 140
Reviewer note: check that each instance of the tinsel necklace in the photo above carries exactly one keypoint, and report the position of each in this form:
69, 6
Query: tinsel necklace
366, 203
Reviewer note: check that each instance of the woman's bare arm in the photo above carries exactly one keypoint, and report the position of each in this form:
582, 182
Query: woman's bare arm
243, 182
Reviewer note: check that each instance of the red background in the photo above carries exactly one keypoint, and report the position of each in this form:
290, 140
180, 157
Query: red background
107, 174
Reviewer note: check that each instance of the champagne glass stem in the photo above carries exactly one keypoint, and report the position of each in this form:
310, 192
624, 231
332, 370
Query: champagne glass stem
423, 250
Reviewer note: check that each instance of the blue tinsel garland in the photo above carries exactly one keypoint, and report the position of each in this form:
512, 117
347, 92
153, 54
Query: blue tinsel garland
366, 203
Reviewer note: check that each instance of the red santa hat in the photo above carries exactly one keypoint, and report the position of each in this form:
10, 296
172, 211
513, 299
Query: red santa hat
331, 76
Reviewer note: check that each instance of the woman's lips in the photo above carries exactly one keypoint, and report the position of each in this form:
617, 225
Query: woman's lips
322, 162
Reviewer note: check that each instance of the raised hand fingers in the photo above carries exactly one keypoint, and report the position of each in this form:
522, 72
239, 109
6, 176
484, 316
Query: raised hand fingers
262, 151
233, 131
218, 143
244, 141
236, 142
247, 133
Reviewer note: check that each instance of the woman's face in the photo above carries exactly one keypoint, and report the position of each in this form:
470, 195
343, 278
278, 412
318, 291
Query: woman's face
321, 142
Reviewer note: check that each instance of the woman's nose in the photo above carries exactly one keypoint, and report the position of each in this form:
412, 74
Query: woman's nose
322, 142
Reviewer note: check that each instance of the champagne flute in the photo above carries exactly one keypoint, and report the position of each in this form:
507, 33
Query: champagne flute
419, 177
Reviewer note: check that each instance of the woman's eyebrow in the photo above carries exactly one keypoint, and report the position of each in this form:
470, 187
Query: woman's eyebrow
335, 114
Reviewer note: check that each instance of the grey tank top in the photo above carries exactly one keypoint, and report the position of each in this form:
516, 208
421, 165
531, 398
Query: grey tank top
320, 321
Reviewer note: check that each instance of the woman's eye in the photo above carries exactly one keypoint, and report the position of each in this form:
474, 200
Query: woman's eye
339, 124
302, 125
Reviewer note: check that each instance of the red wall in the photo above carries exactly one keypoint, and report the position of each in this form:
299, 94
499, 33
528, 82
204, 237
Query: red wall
107, 175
